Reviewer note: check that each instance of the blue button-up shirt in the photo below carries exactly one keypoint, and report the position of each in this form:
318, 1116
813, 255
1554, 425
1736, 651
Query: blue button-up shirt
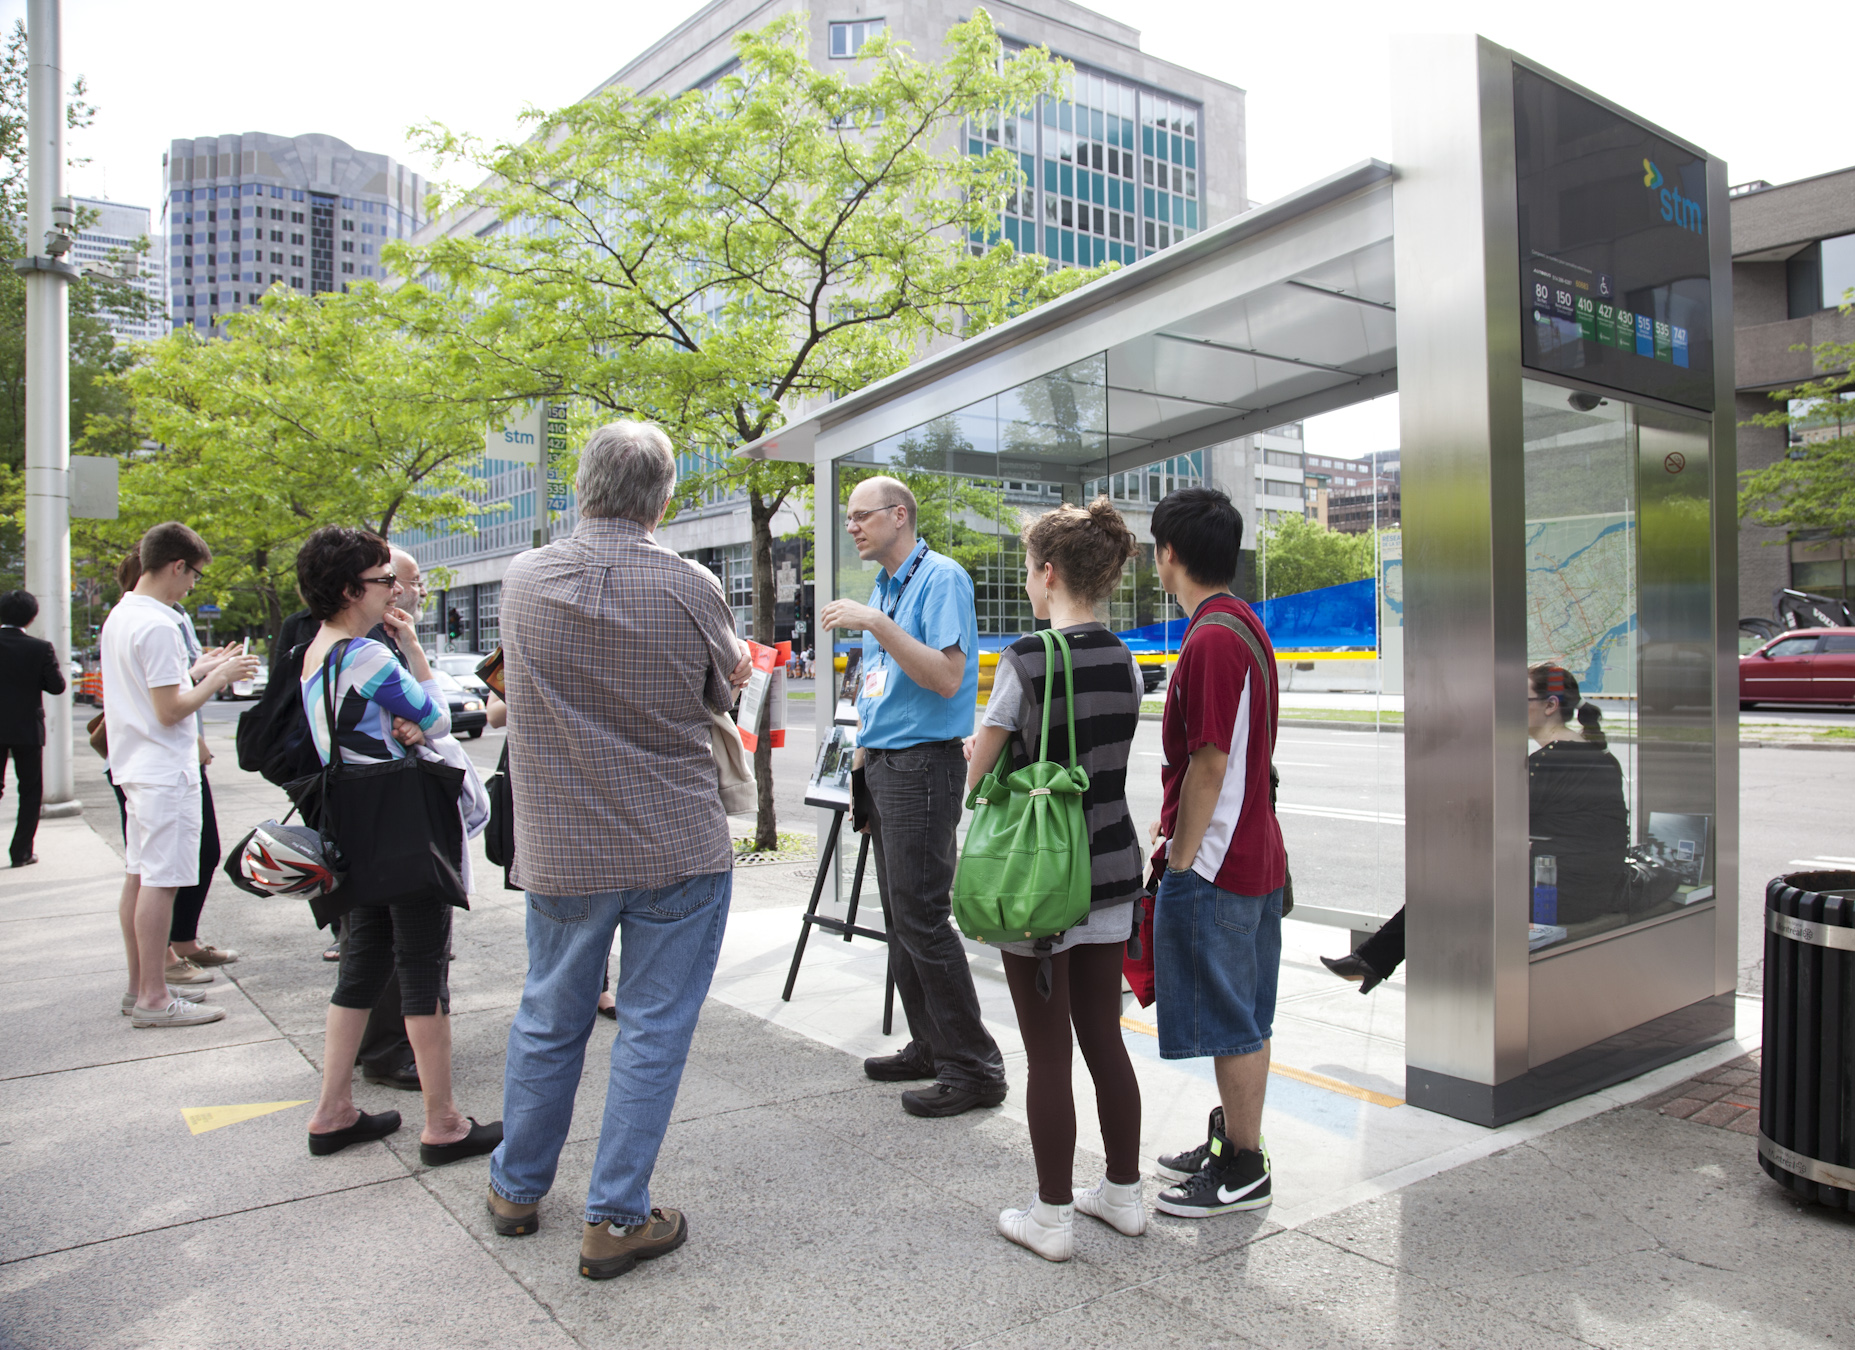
935, 606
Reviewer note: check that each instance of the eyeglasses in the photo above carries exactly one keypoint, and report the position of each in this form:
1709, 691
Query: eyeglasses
858, 517
380, 581
199, 574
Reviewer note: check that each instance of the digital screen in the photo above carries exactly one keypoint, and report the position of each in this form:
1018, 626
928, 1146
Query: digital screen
1614, 229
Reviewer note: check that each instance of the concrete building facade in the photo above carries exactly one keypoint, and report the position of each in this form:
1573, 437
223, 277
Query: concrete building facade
109, 240
1793, 265
247, 212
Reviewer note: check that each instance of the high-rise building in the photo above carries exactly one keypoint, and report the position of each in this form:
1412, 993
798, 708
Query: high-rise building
110, 239
1134, 155
248, 212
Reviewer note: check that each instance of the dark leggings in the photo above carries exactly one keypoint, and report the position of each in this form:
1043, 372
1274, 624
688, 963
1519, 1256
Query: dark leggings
1085, 990
375, 938
189, 900
1384, 950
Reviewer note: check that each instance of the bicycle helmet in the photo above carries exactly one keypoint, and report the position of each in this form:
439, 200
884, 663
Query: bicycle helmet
287, 860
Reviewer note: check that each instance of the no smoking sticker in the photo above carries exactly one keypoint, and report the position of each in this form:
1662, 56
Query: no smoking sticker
1675, 461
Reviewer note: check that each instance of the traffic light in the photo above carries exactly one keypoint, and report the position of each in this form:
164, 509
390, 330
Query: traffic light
453, 624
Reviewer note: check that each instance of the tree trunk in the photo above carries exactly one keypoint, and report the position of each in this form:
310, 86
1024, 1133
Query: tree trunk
766, 819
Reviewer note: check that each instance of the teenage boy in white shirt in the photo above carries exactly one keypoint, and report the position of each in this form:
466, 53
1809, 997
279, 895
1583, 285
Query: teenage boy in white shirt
149, 699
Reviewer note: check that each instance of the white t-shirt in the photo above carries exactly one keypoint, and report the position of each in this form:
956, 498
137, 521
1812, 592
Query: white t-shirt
142, 649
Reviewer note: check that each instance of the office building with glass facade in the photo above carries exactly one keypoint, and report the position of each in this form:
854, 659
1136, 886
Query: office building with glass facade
245, 213
109, 240
1133, 157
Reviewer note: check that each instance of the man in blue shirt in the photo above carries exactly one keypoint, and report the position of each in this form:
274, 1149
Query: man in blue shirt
919, 687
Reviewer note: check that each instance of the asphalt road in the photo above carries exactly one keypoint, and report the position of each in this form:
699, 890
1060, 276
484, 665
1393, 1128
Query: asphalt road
1342, 808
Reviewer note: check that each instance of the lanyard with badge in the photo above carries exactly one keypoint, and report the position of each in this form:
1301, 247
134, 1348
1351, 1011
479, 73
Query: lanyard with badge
876, 677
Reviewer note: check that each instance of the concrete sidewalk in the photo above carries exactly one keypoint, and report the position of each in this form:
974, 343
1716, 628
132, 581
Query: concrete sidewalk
819, 1213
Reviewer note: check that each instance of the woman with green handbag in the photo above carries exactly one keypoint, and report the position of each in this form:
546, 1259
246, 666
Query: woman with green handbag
1073, 562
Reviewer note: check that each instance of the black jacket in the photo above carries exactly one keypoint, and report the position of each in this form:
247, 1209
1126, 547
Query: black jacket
28, 667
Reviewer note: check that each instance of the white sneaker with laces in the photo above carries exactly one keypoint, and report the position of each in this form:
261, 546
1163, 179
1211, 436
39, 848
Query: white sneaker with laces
1048, 1230
173, 992
178, 1013
1121, 1207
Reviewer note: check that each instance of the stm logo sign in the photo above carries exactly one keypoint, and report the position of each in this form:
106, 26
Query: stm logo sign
1676, 209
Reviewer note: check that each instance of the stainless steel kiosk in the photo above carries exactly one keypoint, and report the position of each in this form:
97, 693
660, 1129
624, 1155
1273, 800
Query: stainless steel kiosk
1565, 368
1539, 276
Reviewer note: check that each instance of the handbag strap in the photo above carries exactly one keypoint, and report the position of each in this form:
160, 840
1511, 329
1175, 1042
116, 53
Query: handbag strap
332, 661
1051, 637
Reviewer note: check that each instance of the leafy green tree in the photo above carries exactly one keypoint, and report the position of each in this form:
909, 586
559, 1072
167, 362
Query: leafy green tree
1296, 554
710, 260
312, 410
1813, 487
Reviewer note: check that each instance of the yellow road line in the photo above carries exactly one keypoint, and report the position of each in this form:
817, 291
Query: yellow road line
1319, 1080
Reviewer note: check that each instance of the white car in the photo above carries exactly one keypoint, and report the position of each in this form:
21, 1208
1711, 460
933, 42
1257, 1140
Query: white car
462, 667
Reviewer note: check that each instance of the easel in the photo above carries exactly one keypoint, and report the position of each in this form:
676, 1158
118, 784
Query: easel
846, 925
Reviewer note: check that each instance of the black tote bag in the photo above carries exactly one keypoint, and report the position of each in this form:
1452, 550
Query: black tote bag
396, 824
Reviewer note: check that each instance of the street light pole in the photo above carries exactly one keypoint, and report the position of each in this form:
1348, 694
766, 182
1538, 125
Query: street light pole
49, 226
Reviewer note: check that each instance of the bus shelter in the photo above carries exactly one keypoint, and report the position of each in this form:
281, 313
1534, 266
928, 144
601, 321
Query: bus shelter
1538, 274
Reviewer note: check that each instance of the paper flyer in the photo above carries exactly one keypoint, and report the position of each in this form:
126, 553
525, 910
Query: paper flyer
763, 702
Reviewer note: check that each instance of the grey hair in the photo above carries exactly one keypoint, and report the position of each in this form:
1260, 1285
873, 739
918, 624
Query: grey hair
626, 471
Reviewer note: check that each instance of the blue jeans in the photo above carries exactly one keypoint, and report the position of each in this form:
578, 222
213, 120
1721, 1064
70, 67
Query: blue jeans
1216, 956
668, 941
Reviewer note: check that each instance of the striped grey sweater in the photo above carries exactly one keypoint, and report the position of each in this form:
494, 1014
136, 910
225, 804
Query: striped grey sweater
1108, 692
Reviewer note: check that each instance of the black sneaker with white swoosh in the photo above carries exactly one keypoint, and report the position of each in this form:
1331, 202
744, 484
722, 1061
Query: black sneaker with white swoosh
1230, 1180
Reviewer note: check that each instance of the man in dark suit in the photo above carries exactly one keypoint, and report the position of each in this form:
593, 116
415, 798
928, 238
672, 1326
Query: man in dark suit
28, 669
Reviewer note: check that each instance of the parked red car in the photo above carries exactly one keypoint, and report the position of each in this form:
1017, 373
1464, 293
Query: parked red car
1806, 665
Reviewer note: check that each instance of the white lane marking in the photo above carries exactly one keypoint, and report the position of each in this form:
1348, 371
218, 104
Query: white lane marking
1302, 763
1339, 813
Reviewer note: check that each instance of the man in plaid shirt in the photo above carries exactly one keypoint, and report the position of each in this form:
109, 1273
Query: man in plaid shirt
615, 650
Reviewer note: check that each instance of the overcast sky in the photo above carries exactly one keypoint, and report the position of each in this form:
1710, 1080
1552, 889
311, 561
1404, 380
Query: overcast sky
1769, 97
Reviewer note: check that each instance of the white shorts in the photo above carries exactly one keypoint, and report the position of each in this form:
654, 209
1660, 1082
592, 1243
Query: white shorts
162, 837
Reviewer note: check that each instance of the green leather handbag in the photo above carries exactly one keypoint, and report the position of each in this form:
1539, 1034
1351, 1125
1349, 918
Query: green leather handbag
1024, 872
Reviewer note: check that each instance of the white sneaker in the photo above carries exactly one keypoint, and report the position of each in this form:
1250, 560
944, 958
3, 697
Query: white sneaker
1046, 1229
178, 1013
1121, 1207
173, 992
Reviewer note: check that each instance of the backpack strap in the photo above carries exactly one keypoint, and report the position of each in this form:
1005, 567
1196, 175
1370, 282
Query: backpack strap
1264, 666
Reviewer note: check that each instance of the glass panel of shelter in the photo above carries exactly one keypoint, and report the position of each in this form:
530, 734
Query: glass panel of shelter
1618, 563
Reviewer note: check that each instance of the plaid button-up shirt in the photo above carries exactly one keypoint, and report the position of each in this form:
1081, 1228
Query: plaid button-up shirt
615, 649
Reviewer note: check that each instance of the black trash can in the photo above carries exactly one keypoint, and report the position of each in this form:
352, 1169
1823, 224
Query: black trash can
1806, 1109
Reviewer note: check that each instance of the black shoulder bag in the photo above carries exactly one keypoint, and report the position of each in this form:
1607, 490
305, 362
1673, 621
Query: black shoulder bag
395, 824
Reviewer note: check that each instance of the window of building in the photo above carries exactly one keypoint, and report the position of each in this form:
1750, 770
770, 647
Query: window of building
847, 39
1286, 459
348, 225
347, 246
348, 268
296, 195
1838, 269
347, 204
297, 282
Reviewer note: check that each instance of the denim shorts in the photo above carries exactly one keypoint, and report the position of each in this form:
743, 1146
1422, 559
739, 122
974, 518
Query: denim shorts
1215, 960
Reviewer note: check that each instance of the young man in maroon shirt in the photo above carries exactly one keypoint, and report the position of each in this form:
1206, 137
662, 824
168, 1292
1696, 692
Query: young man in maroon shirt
1217, 940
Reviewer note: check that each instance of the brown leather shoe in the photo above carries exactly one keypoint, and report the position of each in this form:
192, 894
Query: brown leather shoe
608, 1250
511, 1219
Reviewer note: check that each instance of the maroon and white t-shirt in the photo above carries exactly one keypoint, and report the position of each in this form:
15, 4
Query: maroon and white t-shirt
1219, 696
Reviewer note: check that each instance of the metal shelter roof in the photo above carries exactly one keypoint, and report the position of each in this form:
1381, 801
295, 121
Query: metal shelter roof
1283, 312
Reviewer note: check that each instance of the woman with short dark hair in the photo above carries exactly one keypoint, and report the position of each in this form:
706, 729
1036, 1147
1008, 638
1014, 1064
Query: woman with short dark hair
346, 578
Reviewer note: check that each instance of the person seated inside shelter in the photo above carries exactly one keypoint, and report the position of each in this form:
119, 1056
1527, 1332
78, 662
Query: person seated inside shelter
1576, 814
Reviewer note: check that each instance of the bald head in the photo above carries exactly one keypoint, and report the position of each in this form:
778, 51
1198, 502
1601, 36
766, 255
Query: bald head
883, 490
411, 582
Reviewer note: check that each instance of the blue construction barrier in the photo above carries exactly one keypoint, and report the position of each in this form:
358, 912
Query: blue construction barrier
1333, 617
